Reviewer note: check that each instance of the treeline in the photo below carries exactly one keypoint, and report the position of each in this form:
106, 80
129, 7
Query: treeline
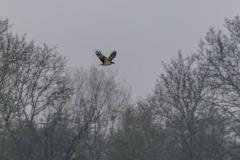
50, 112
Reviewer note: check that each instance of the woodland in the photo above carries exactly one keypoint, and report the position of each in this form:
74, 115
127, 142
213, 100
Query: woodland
51, 112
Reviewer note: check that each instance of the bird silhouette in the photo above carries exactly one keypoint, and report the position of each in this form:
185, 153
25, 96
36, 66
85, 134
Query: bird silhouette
106, 61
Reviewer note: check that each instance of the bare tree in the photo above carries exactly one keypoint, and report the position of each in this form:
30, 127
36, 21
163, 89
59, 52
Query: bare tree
178, 97
31, 80
220, 54
93, 110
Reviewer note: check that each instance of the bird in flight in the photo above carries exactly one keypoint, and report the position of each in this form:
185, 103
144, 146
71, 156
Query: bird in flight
106, 61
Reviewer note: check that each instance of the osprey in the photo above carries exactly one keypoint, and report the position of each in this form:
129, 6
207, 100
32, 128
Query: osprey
106, 61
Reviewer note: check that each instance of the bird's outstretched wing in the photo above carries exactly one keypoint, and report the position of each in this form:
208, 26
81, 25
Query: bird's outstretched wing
112, 55
100, 56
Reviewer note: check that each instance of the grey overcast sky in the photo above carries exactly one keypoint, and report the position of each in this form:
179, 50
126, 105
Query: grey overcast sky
143, 32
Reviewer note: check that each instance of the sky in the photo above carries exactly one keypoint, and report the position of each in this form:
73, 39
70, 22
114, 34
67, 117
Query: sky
144, 33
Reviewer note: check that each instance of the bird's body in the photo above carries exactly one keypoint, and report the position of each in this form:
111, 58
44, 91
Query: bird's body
106, 61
